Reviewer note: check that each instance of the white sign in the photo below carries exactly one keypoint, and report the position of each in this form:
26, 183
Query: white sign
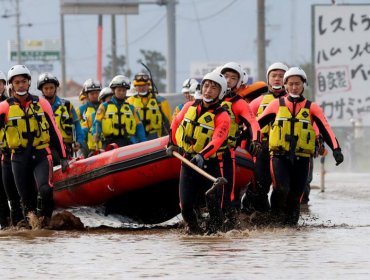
199, 69
342, 62
35, 50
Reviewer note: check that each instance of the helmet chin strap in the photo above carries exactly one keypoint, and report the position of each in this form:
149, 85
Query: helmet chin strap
294, 95
208, 100
277, 87
21, 93
143, 93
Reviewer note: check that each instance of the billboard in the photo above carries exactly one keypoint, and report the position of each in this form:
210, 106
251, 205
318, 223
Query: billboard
35, 50
341, 59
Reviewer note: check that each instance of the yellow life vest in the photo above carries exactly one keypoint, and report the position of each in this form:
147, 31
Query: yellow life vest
88, 119
118, 123
287, 130
194, 133
64, 121
234, 127
266, 100
150, 114
3, 143
23, 126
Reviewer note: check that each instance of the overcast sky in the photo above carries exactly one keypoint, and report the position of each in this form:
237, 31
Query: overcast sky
206, 30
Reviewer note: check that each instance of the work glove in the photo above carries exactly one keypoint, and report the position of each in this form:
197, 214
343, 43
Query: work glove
198, 160
170, 149
255, 148
338, 156
64, 163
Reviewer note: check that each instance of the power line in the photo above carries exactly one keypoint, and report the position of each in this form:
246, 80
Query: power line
200, 31
212, 15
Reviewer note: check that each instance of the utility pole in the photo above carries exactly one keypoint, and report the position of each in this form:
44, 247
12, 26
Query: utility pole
261, 40
18, 24
114, 46
171, 46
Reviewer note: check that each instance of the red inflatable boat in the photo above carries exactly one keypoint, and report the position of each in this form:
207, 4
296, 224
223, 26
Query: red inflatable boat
139, 181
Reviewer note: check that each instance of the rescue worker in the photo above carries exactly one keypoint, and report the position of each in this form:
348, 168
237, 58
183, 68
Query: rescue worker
256, 196
200, 130
116, 119
4, 208
82, 97
30, 131
86, 114
65, 116
189, 96
242, 122
10, 207
154, 110
292, 143
105, 95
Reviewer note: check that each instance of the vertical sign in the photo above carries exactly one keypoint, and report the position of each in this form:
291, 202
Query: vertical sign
341, 57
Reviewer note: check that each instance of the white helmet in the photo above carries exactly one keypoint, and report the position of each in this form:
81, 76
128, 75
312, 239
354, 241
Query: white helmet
46, 78
187, 84
194, 88
275, 66
17, 70
107, 91
91, 85
120, 81
235, 67
2, 77
295, 71
219, 79
245, 78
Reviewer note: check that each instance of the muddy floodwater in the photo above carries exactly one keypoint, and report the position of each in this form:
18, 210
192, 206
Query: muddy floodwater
332, 241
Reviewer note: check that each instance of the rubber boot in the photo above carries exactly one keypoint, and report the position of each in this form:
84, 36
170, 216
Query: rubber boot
190, 218
16, 214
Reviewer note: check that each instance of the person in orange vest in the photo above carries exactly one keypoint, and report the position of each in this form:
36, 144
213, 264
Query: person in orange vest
292, 143
200, 130
256, 196
30, 131
242, 122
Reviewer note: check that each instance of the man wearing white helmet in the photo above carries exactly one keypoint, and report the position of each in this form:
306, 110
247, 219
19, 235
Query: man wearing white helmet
292, 143
105, 95
86, 114
189, 96
256, 196
8, 190
118, 121
30, 132
65, 116
200, 130
154, 111
243, 127
3, 93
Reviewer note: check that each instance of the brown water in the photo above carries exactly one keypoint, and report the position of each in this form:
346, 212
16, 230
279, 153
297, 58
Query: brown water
332, 242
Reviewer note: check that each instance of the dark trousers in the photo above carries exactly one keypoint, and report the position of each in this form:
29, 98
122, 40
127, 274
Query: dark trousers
290, 178
11, 190
30, 168
192, 188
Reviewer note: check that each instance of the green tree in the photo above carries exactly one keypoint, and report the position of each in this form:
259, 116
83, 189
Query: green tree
156, 62
108, 72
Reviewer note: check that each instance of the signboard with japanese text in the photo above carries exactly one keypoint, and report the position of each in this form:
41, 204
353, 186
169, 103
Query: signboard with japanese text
341, 58
35, 50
